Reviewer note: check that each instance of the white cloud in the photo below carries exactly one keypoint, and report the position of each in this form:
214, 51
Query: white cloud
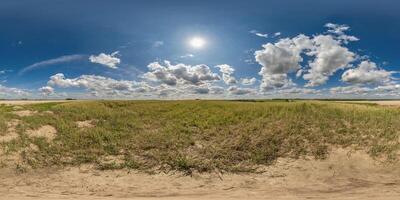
277, 34
248, 81
109, 60
326, 55
366, 73
227, 74
10, 92
330, 56
46, 90
101, 86
233, 90
189, 55
295, 90
182, 74
279, 59
264, 35
354, 89
62, 59
339, 30
386, 91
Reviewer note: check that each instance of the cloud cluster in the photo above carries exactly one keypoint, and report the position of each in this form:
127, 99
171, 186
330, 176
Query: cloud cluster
330, 56
46, 90
108, 60
248, 81
234, 90
181, 74
314, 58
325, 52
99, 85
279, 59
227, 74
10, 92
339, 31
367, 73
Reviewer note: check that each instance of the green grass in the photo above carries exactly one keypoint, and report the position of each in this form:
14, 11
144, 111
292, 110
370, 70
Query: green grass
235, 136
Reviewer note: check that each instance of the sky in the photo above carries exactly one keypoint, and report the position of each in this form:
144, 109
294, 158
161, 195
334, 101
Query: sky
220, 49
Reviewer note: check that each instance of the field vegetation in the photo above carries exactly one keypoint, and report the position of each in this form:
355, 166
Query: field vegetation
203, 136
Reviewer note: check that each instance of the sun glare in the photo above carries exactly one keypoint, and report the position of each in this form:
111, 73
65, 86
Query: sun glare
197, 42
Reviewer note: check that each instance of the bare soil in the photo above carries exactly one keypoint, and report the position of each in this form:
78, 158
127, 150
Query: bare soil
343, 175
27, 102
46, 131
382, 103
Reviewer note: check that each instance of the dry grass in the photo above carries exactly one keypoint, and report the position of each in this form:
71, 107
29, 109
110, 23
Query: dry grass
201, 135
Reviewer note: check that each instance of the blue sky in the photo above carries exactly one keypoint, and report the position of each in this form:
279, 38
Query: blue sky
117, 49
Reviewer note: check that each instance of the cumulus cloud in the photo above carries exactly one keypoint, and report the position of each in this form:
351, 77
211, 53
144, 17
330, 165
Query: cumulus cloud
227, 74
315, 58
11, 92
234, 90
366, 73
248, 81
326, 55
46, 90
108, 60
354, 89
170, 74
295, 90
62, 59
100, 86
390, 90
330, 56
279, 59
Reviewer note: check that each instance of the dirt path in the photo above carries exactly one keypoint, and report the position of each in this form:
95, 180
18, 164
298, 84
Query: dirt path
383, 103
338, 177
26, 102
386, 103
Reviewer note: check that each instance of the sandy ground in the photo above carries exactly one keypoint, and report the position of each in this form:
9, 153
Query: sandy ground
383, 103
341, 176
386, 103
344, 175
26, 102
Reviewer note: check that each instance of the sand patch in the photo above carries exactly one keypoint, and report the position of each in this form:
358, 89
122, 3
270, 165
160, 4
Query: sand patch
47, 112
111, 159
382, 103
11, 132
24, 113
27, 102
85, 124
343, 175
47, 131
18, 107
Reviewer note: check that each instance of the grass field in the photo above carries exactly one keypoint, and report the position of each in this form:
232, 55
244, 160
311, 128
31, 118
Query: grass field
189, 136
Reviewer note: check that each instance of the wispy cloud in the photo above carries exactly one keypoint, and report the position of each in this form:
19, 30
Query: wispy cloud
277, 34
62, 59
264, 35
158, 44
189, 55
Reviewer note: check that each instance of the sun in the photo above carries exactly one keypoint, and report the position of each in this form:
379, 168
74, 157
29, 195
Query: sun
197, 42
